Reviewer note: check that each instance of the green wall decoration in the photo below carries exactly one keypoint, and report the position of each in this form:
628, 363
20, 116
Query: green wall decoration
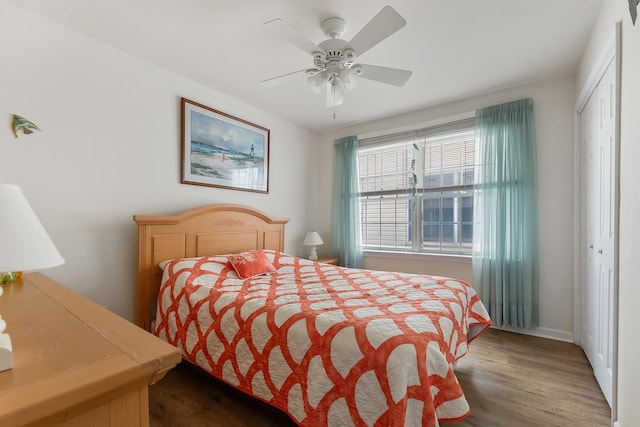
20, 124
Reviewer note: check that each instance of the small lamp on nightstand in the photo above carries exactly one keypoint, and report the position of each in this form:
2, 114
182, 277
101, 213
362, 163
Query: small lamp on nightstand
313, 239
25, 246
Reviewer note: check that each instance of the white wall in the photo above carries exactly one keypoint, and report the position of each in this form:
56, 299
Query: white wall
628, 391
553, 107
110, 148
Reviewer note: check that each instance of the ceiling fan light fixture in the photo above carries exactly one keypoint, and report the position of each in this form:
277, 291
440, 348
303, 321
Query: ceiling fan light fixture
316, 82
349, 78
335, 95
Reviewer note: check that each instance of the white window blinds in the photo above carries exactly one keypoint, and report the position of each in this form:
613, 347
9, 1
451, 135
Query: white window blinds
416, 187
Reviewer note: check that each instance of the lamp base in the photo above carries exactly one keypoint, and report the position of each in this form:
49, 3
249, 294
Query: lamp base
313, 255
10, 276
6, 353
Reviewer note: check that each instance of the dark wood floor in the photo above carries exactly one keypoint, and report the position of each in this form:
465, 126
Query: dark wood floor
510, 380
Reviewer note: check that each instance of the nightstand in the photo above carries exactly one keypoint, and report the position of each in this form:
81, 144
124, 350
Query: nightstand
332, 261
74, 362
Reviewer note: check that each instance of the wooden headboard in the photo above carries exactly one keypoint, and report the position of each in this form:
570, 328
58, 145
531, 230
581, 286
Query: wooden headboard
208, 230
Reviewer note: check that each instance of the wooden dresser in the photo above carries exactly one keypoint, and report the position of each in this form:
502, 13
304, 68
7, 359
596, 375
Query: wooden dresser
74, 362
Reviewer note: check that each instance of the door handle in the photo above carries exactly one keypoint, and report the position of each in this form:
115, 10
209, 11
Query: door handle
599, 251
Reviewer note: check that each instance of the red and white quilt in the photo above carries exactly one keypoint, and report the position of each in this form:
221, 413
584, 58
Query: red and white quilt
330, 346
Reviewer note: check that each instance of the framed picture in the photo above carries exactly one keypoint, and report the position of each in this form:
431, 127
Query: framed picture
219, 150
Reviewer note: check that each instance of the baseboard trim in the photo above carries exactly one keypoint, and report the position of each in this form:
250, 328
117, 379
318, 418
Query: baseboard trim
616, 424
553, 334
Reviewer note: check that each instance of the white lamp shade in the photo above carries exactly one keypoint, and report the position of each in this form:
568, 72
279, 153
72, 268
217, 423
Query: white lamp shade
312, 239
25, 244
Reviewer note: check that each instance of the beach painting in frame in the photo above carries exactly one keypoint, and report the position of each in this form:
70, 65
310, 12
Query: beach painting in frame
219, 150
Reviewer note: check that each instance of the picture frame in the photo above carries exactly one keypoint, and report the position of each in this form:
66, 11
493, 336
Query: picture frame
220, 150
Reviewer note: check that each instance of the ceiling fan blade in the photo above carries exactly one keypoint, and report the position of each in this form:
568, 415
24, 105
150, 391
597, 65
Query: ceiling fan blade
392, 76
335, 95
280, 27
275, 81
385, 23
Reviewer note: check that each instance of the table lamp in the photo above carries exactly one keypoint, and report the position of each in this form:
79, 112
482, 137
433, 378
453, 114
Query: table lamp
313, 239
25, 246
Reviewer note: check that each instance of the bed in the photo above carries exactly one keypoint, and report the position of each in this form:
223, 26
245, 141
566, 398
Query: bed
328, 345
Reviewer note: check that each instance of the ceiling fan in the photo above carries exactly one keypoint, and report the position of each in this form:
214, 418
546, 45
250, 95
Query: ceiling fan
334, 58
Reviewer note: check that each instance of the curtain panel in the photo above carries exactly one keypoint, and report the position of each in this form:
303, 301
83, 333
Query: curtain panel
505, 241
345, 218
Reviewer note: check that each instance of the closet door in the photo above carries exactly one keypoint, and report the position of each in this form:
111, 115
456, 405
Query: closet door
597, 125
605, 243
589, 211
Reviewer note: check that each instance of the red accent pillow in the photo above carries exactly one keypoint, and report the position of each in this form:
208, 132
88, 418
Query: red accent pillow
250, 264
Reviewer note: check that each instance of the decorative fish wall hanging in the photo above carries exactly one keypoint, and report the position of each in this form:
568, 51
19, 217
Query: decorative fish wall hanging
20, 124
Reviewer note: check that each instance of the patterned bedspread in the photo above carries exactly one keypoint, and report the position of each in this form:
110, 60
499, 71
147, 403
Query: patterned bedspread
330, 346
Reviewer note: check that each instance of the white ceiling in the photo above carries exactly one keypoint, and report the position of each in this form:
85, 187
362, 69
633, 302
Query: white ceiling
455, 48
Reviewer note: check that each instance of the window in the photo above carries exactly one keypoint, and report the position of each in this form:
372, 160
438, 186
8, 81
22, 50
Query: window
416, 189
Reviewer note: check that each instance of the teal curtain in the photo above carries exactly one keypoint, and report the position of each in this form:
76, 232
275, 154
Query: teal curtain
345, 218
505, 254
